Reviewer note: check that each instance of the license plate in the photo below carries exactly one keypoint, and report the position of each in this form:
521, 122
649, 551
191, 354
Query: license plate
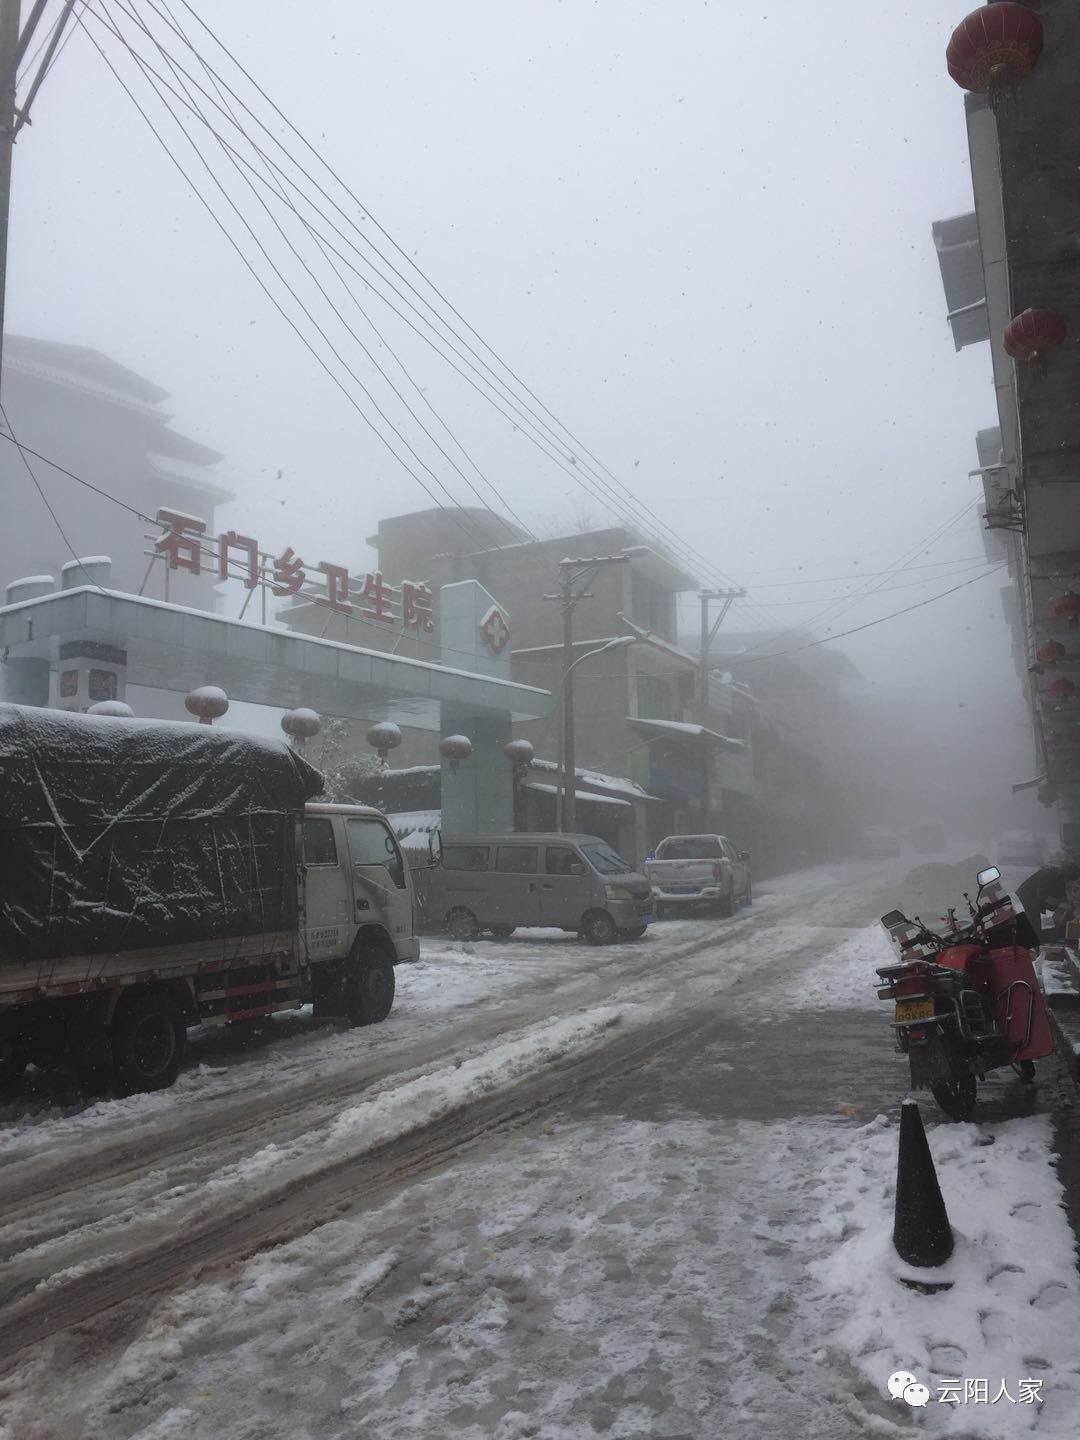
914, 1010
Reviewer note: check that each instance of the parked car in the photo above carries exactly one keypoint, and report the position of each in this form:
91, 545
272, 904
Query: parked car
570, 882
694, 871
879, 844
1021, 847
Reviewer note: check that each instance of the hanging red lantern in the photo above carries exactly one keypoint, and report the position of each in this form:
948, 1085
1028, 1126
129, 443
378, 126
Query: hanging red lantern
1062, 689
994, 48
1032, 337
1066, 607
1050, 652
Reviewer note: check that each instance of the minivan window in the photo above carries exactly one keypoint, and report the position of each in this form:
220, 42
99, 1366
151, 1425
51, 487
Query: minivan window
319, 847
371, 843
603, 858
562, 860
690, 847
466, 857
517, 859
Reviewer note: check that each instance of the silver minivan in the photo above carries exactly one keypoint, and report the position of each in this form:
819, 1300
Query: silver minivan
569, 882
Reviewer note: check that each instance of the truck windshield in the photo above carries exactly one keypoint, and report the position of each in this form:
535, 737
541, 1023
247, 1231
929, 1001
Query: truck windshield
602, 857
690, 847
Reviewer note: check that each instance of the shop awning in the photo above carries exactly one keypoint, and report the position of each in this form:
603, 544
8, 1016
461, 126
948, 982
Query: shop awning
583, 797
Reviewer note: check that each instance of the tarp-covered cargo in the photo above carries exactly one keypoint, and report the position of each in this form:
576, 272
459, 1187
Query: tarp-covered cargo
121, 834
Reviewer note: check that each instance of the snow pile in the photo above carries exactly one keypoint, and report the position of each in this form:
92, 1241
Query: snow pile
1013, 1312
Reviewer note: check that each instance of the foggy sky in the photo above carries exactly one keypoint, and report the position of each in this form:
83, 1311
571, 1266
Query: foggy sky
700, 231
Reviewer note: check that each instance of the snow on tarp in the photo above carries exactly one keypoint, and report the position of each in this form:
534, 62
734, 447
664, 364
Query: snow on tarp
117, 834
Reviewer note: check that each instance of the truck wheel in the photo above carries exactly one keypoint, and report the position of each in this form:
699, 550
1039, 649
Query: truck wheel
598, 928
725, 907
462, 924
148, 1041
368, 989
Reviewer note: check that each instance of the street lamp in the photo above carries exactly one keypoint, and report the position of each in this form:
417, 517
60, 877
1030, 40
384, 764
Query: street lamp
576, 574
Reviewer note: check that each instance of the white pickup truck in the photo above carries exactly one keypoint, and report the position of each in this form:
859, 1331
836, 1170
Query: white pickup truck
694, 871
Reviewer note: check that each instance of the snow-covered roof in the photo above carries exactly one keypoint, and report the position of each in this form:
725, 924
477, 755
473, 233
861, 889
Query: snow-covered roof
693, 732
413, 827
585, 796
613, 784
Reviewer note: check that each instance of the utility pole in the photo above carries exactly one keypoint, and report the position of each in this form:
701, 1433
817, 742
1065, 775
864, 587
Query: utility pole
10, 52
576, 574
13, 47
709, 628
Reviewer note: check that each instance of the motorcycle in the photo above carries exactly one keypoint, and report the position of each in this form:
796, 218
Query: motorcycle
967, 1000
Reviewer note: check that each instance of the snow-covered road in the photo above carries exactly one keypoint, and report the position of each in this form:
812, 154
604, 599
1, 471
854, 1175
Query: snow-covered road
656, 1201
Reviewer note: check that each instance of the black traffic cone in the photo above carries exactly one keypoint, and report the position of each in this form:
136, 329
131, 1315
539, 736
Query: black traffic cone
922, 1234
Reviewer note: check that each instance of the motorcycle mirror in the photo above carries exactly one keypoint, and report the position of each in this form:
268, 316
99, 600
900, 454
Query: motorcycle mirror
988, 876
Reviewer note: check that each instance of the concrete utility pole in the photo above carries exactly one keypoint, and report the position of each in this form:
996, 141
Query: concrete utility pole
576, 574
709, 628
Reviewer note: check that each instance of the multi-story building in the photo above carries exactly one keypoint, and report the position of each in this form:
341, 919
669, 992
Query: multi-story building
107, 425
643, 737
1013, 253
813, 784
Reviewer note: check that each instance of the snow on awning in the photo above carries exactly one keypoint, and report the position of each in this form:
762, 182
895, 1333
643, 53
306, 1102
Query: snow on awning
581, 795
1028, 784
683, 729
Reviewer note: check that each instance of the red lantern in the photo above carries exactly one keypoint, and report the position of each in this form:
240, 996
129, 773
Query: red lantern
1062, 689
1066, 607
995, 48
1033, 336
1050, 652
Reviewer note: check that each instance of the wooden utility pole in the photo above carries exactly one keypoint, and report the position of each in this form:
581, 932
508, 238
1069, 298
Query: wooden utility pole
709, 628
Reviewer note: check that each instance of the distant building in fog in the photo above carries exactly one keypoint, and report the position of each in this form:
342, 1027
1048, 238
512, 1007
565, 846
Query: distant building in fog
109, 426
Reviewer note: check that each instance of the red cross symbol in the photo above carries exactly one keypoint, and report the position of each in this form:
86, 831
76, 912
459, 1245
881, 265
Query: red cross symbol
495, 630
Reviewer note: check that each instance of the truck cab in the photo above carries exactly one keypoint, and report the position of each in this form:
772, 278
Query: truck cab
355, 887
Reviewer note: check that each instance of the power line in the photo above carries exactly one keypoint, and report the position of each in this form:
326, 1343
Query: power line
635, 520
887, 590
865, 574
273, 300
325, 252
131, 10
832, 612
753, 659
10, 435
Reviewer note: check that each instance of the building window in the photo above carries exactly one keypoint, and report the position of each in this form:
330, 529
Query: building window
654, 698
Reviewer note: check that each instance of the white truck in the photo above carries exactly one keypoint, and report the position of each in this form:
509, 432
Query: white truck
157, 875
688, 872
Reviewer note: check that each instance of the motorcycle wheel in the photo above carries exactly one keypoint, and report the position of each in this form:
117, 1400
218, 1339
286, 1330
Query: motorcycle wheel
956, 1097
